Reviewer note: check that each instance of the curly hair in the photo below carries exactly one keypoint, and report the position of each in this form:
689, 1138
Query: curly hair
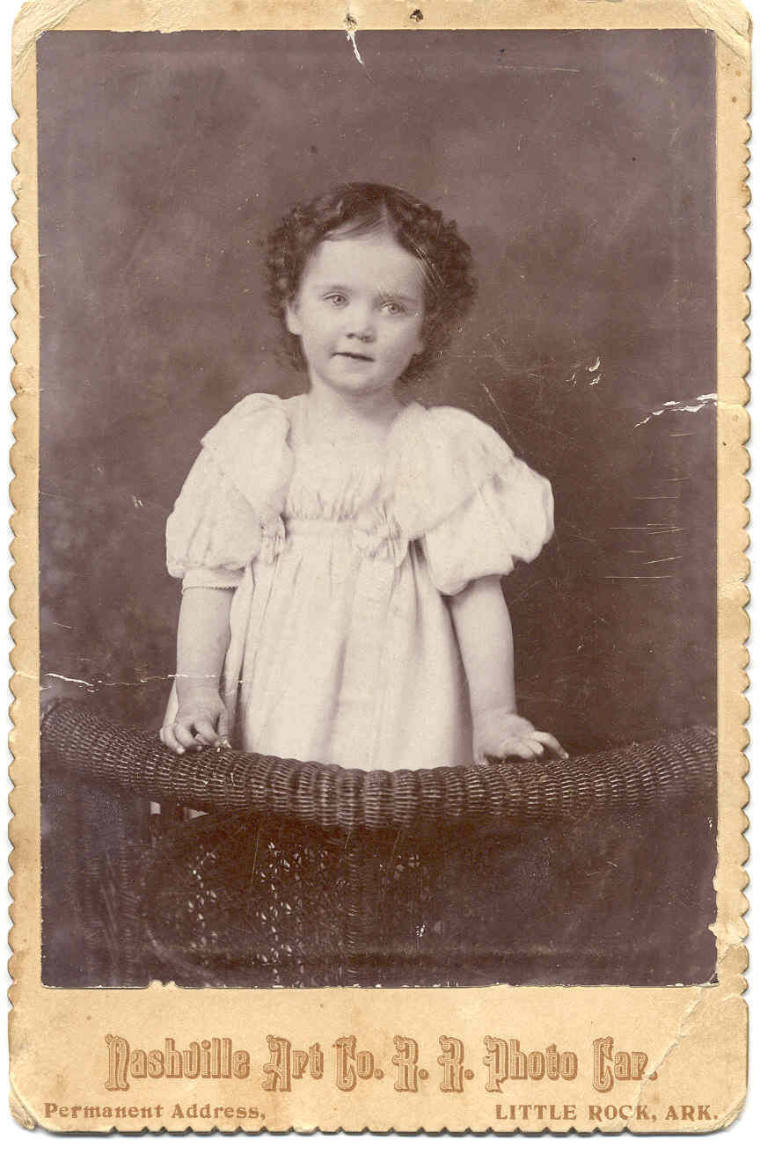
354, 209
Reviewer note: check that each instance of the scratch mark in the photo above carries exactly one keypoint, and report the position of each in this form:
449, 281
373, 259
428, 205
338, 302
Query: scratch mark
649, 577
655, 526
71, 680
111, 684
533, 67
659, 560
248, 896
691, 406
494, 402
351, 26
352, 37
596, 365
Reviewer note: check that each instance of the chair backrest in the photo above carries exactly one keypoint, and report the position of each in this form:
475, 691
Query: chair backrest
594, 870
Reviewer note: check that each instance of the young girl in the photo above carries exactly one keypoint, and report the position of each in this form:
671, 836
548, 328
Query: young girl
341, 550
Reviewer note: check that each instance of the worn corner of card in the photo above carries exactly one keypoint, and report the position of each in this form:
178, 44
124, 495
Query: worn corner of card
451, 302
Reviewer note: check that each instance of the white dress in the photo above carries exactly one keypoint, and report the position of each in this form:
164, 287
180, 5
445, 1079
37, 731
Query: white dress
342, 645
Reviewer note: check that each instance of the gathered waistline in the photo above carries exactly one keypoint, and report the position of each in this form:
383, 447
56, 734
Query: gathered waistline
299, 525
375, 541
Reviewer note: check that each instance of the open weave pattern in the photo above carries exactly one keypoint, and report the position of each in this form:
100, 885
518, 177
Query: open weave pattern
229, 901
248, 902
593, 870
672, 770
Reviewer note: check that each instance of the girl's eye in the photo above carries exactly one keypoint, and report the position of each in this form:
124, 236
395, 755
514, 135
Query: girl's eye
393, 308
337, 299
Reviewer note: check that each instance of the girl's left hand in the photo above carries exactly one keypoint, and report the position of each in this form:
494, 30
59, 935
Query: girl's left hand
499, 734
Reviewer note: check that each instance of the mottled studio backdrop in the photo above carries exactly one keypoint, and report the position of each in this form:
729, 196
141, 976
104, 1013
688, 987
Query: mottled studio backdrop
580, 168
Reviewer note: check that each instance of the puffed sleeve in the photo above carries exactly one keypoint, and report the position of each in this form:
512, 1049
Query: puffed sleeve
497, 510
213, 532
233, 496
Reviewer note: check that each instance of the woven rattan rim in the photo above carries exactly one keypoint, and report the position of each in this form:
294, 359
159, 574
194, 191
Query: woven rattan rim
677, 769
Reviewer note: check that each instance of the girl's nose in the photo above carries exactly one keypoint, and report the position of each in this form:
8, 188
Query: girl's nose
360, 325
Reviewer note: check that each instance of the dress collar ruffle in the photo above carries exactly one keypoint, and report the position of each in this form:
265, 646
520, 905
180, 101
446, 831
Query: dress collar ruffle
435, 460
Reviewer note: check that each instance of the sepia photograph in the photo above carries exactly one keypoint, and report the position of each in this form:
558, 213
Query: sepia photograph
379, 557
377, 487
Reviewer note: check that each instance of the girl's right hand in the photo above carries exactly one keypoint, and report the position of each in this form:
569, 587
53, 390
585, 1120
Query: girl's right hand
201, 722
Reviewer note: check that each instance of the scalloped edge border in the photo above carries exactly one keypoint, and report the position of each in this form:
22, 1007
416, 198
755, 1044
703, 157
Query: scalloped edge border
732, 27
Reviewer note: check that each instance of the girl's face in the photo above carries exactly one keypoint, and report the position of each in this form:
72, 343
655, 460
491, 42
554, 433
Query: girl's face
359, 312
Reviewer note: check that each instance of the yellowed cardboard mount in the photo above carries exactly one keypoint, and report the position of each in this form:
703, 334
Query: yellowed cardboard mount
500, 1055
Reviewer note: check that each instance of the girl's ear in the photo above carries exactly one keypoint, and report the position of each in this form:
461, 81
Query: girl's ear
292, 319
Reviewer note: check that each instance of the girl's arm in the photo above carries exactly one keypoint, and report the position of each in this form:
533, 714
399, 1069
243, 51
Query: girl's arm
202, 639
484, 632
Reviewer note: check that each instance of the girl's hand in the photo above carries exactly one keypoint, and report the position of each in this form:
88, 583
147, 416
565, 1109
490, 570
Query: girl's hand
201, 722
498, 734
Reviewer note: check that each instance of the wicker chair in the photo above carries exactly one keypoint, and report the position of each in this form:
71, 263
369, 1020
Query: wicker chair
594, 870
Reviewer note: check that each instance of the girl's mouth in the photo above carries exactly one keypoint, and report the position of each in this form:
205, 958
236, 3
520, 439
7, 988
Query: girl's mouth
354, 356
